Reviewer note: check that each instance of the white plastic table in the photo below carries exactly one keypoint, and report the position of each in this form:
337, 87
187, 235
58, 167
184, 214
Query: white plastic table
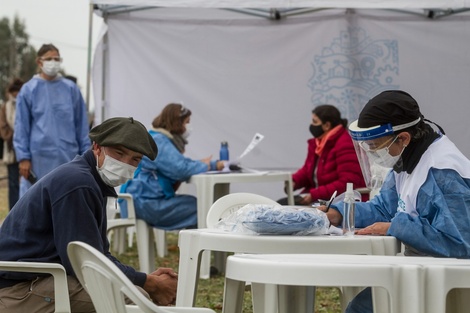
210, 187
414, 284
193, 242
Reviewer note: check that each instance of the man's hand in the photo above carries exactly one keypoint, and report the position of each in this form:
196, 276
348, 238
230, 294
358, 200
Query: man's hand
25, 167
380, 228
161, 286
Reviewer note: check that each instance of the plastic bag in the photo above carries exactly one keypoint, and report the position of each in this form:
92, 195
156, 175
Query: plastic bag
276, 220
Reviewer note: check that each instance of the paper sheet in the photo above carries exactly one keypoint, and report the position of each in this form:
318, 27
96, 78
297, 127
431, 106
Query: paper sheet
254, 142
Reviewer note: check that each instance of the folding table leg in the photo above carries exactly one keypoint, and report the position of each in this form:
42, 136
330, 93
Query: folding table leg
233, 296
296, 299
264, 297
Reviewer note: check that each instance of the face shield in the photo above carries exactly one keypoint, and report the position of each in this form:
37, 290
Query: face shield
372, 148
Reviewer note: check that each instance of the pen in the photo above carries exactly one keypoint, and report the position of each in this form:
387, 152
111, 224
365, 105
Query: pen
331, 200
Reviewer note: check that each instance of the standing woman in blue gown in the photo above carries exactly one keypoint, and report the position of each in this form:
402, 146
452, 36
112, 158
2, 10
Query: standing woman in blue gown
51, 123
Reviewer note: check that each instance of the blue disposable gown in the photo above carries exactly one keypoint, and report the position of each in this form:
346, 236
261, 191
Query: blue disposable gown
437, 220
51, 125
428, 210
152, 188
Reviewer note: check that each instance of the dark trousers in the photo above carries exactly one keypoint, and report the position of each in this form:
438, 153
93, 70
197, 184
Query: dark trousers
13, 184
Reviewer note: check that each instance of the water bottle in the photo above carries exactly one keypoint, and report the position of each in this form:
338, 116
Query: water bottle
224, 151
348, 211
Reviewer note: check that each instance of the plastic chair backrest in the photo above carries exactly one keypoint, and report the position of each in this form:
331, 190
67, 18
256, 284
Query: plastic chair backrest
61, 290
105, 282
231, 203
114, 221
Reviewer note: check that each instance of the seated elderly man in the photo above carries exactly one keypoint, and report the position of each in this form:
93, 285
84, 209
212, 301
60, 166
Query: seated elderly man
69, 204
425, 198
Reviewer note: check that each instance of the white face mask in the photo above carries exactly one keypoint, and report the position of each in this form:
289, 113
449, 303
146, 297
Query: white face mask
187, 132
114, 172
51, 68
383, 158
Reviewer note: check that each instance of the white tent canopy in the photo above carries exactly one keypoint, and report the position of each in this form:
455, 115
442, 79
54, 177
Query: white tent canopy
369, 4
241, 74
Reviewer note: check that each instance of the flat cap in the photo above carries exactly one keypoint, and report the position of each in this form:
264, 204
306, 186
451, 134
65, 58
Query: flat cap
126, 132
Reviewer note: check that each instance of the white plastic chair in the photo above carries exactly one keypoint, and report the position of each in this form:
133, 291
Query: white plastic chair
61, 290
225, 206
107, 285
147, 237
117, 225
230, 203
159, 235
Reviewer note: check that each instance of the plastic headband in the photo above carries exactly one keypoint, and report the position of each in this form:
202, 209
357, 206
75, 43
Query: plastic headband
184, 111
360, 134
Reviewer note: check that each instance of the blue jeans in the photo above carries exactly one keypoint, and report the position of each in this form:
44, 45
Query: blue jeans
362, 303
13, 184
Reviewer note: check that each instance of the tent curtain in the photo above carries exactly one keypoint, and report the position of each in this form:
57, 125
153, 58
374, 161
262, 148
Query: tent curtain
241, 75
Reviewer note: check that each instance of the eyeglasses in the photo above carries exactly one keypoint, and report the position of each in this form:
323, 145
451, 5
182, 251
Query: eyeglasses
371, 147
57, 59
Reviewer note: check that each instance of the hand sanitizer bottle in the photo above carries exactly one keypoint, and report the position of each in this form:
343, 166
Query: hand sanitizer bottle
348, 211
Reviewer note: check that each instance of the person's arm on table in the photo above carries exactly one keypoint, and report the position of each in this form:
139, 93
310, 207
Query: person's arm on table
441, 229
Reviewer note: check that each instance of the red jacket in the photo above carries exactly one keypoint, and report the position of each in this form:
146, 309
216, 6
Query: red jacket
337, 166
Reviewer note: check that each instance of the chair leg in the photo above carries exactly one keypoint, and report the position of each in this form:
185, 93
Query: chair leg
145, 246
118, 235
233, 296
160, 241
130, 236
220, 258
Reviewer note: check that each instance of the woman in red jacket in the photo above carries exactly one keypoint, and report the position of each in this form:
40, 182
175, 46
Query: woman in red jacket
331, 160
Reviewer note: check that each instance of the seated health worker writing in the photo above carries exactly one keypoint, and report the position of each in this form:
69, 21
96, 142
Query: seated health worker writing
331, 161
425, 198
69, 204
156, 181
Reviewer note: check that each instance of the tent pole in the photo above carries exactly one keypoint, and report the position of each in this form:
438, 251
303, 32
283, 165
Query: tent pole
104, 47
88, 76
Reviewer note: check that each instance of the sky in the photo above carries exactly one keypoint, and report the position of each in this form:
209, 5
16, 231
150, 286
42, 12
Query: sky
65, 23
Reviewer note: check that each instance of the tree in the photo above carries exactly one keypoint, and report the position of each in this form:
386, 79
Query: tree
17, 56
